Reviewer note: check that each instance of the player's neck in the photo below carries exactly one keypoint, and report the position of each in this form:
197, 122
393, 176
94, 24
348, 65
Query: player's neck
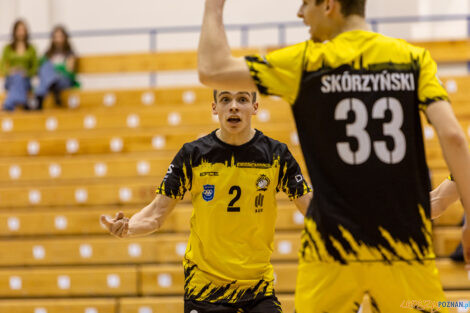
235, 139
353, 22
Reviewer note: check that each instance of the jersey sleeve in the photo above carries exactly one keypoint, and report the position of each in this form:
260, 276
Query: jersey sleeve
291, 180
430, 88
279, 72
178, 177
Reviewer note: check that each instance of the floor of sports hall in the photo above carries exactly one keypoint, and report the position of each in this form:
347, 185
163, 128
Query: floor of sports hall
107, 150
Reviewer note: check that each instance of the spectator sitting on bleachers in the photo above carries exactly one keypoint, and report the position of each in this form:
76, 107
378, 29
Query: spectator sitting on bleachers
19, 63
57, 70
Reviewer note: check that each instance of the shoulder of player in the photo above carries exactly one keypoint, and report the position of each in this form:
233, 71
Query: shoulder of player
203, 142
273, 144
288, 53
416, 51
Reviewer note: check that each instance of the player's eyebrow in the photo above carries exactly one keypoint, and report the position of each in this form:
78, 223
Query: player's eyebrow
243, 93
223, 93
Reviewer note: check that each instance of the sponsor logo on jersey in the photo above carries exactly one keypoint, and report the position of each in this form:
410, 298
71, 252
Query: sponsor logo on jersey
209, 174
299, 178
254, 165
208, 192
262, 183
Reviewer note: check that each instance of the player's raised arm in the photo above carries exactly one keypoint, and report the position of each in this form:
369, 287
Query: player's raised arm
146, 221
455, 149
443, 196
216, 66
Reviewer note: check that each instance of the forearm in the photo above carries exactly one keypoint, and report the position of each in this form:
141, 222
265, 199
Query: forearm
458, 159
151, 218
454, 147
141, 224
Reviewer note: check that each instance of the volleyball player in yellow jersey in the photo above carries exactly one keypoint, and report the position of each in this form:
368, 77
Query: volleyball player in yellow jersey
233, 175
356, 97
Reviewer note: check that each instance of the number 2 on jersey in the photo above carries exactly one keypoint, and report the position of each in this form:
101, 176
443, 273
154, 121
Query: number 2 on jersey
358, 130
231, 206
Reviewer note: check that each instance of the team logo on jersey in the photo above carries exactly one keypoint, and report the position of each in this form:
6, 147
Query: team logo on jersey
262, 183
208, 192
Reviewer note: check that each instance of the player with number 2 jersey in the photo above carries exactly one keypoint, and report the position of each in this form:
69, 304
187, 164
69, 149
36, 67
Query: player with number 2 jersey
233, 190
233, 175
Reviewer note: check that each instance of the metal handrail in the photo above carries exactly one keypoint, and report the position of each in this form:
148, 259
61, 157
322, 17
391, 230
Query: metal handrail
245, 29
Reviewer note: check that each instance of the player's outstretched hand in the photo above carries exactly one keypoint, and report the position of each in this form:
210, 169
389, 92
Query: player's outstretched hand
118, 226
466, 244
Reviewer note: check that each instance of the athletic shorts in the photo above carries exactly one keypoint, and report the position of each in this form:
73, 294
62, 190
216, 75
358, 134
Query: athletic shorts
264, 305
397, 288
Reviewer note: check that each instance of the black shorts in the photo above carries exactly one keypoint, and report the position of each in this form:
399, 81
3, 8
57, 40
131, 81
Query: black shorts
264, 305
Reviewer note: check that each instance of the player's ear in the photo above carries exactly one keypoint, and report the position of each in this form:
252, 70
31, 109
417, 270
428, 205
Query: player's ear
255, 108
330, 6
214, 108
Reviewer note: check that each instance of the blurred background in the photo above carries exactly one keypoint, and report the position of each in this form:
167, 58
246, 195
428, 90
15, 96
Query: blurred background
102, 141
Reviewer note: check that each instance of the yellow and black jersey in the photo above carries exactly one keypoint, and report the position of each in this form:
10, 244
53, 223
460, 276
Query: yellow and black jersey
356, 102
233, 192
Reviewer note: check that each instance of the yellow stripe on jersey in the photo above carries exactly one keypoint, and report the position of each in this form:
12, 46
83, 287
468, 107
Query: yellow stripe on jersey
314, 248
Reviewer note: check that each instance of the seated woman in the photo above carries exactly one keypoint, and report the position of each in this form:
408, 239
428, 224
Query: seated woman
57, 69
19, 63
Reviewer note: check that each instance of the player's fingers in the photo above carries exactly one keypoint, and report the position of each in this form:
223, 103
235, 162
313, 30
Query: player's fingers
125, 230
119, 215
106, 222
122, 230
116, 226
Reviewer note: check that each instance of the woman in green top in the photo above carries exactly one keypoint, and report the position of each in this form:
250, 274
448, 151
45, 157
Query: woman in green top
19, 63
57, 70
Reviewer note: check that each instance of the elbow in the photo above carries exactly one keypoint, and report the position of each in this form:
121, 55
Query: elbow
206, 76
455, 137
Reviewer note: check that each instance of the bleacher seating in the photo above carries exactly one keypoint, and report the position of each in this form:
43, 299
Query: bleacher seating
61, 168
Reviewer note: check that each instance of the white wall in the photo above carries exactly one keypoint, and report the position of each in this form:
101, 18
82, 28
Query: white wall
124, 14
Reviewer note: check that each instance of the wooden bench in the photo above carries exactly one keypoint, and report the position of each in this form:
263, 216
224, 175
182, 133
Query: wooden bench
107, 250
60, 306
446, 239
69, 282
121, 141
84, 220
115, 192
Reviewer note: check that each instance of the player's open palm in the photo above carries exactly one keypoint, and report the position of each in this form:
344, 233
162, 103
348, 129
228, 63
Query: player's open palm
118, 226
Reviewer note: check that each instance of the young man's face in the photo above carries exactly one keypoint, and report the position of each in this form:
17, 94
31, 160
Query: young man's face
317, 18
234, 109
